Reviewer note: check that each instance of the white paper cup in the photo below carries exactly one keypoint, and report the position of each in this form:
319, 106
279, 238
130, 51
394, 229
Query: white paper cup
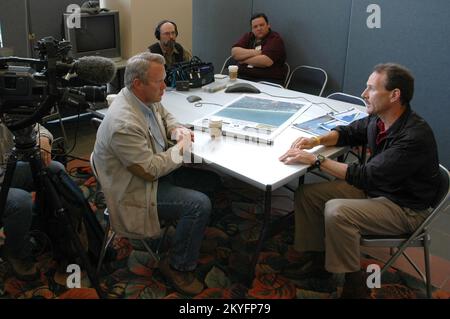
233, 72
215, 127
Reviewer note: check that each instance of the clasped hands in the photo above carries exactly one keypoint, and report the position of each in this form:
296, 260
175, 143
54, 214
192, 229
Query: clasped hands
184, 138
296, 153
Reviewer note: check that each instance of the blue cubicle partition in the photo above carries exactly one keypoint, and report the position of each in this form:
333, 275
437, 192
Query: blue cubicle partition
333, 34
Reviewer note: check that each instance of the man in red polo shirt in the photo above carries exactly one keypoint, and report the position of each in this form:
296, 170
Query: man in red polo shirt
260, 53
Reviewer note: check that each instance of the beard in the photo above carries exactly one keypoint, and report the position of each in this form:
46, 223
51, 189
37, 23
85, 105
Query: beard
169, 44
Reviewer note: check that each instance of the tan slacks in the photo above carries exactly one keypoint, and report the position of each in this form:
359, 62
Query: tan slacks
332, 216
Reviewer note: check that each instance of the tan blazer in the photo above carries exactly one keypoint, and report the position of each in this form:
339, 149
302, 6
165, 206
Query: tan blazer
124, 139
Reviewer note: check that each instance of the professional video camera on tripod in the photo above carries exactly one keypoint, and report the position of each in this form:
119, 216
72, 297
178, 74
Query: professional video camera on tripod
27, 93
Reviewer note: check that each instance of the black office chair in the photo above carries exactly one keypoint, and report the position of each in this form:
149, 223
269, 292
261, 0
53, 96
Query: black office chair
361, 152
308, 79
228, 61
420, 237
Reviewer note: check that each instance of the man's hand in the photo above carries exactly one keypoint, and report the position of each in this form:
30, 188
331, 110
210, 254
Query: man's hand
178, 132
305, 143
184, 139
46, 150
298, 156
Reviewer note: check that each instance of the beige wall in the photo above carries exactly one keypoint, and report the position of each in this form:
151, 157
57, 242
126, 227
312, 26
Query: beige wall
138, 19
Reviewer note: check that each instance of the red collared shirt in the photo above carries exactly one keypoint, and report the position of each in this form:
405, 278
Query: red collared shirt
381, 132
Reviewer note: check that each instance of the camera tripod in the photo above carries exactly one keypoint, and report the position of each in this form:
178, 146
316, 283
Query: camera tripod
48, 200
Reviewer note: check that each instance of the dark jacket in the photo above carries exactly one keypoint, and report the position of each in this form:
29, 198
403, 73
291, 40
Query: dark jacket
178, 55
403, 168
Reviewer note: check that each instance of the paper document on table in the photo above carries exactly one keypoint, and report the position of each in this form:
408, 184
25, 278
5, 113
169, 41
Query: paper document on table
325, 123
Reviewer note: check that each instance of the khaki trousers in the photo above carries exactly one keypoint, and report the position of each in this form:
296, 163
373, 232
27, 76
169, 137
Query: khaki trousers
332, 216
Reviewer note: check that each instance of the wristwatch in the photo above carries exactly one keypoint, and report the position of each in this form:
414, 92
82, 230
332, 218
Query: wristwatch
319, 160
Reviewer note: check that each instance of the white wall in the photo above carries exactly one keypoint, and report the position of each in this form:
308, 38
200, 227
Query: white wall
138, 19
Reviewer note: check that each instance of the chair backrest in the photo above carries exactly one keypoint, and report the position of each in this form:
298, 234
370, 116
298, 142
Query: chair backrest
95, 121
440, 202
228, 61
308, 79
288, 73
94, 170
339, 96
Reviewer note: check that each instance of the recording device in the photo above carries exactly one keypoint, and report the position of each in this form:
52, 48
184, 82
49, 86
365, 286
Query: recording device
31, 87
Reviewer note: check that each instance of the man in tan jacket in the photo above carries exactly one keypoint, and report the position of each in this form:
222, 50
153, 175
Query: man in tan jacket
141, 174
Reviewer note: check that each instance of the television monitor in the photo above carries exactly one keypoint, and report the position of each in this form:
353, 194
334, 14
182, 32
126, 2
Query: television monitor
98, 35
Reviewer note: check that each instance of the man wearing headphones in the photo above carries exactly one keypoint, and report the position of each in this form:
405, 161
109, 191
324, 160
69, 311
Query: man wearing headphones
166, 32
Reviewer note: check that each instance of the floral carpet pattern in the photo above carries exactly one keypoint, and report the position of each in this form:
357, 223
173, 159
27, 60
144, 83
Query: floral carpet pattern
223, 264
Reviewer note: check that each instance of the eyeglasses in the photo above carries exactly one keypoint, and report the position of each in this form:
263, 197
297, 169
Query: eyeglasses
169, 33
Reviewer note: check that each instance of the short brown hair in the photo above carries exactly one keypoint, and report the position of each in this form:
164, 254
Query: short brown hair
398, 77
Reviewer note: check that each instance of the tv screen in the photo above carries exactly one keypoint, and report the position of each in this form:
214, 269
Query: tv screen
98, 34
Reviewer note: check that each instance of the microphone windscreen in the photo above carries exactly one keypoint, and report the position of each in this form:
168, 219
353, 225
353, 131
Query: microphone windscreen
95, 69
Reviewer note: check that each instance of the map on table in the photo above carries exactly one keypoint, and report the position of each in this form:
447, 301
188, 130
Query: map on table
256, 119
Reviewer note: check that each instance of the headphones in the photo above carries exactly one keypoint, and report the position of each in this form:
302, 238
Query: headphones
158, 28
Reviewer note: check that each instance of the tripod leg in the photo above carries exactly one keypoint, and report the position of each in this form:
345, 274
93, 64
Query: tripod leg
10, 167
61, 213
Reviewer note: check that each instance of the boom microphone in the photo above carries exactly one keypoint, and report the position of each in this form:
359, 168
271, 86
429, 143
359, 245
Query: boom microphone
95, 69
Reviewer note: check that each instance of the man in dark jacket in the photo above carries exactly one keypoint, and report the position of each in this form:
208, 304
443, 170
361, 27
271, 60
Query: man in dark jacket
390, 194
167, 32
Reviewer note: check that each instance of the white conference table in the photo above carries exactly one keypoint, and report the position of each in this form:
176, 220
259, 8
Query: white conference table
254, 163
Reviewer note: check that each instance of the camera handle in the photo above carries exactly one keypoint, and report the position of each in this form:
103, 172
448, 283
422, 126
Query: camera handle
46, 194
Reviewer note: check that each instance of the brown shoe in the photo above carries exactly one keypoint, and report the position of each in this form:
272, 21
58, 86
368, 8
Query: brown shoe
24, 269
183, 281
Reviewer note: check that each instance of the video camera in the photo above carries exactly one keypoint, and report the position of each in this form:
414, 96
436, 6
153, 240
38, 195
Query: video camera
31, 87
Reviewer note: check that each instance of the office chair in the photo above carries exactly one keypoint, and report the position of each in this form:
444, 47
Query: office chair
228, 61
419, 238
283, 85
361, 152
110, 233
308, 79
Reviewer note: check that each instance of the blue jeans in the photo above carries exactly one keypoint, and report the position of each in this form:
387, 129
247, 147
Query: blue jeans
17, 216
181, 195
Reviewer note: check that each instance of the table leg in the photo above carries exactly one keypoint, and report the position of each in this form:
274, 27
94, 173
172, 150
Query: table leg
263, 234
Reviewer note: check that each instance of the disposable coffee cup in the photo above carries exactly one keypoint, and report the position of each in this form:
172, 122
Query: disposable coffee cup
233, 72
215, 127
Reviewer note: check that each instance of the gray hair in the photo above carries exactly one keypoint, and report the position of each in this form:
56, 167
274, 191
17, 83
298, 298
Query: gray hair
137, 67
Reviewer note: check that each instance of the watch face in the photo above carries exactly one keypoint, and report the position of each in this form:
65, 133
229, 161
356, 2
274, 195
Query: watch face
320, 158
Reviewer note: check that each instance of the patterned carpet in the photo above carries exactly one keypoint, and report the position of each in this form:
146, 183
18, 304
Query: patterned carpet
226, 253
